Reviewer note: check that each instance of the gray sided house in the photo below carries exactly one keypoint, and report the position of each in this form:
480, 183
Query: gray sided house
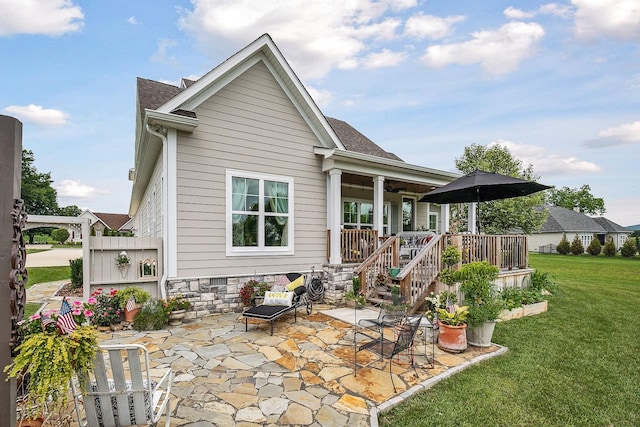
242, 176
561, 220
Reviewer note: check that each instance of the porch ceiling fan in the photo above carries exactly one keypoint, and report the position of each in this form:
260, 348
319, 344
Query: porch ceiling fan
389, 187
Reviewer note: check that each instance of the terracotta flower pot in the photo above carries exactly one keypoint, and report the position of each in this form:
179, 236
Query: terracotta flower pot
452, 339
129, 315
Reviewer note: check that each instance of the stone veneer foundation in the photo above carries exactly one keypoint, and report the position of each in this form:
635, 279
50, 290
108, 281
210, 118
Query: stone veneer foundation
210, 295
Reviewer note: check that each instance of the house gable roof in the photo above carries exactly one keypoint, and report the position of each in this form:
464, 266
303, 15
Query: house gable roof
114, 221
562, 220
611, 226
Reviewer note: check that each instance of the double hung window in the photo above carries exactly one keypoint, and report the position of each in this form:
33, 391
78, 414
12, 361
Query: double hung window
259, 213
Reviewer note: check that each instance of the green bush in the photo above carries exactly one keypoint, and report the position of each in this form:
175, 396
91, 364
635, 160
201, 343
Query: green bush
76, 272
629, 248
140, 295
543, 282
576, 246
60, 235
477, 284
563, 247
595, 247
609, 248
152, 316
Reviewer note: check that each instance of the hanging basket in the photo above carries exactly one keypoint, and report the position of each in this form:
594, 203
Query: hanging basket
124, 269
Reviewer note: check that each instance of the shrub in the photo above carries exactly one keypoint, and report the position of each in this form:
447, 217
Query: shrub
140, 295
543, 282
152, 316
576, 246
60, 235
564, 246
76, 272
609, 248
252, 289
595, 247
629, 248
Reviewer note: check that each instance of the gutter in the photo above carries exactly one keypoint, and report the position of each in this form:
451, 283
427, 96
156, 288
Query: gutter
165, 230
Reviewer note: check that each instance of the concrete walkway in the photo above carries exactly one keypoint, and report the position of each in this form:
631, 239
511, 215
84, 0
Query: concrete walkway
52, 257
303, 375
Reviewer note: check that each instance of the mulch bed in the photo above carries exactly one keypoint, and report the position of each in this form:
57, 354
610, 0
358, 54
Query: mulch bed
68, 290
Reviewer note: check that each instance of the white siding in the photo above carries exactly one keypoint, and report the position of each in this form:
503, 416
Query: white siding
152, 199
249, 125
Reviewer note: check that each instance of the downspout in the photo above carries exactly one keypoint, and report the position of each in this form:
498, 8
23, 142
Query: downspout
165, 208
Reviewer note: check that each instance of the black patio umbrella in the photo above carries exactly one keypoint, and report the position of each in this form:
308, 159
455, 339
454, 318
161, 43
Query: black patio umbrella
480, 186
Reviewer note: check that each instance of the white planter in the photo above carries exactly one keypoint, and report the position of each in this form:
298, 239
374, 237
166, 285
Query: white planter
537, 308
480, 336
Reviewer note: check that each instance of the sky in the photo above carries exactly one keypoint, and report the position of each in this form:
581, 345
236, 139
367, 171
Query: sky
556, 83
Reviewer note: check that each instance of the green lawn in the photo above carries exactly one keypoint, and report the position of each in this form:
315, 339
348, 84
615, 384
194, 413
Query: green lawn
576, 365
47, 274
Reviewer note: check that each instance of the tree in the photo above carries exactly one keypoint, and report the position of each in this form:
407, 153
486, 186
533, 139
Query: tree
501, 216
628, 248
38, 194
564, 246
72, 210
576, 246
60, 235
609, 248
581, 198
595, 247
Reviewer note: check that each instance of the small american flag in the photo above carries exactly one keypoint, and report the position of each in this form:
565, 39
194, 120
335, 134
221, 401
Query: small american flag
131, 304
46, 321
65, 323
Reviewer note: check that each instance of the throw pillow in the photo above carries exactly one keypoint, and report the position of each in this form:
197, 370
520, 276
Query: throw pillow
278, 298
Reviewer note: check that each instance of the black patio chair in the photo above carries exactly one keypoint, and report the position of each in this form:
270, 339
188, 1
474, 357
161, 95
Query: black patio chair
405, 333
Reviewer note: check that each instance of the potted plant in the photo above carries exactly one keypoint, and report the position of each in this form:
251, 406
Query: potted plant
484, 302
51, 352
353, 296
123, 262
251, 290
131, 299
106, 309
176, 308
452, 325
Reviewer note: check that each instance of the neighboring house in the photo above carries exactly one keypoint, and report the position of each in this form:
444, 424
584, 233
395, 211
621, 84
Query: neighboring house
561, 220
107, 221
242, 175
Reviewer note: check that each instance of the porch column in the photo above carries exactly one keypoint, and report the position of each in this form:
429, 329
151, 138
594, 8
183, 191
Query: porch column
471, 218
378, 204
334, 214
444, 218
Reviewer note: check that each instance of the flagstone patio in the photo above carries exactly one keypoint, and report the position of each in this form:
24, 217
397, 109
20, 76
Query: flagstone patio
302, 375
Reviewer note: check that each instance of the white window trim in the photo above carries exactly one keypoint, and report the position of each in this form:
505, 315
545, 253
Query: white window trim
257, 250
359, 202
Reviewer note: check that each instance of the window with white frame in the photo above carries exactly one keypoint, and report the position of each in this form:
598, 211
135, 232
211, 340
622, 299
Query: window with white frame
259, 213
433, 221
359, 215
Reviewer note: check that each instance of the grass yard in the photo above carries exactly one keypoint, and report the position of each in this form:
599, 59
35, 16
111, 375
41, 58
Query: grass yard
47, 274
576, 365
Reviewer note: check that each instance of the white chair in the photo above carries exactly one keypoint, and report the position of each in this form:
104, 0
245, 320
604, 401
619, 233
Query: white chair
120, 390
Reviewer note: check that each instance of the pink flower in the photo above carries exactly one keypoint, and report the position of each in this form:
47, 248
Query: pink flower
88, 313
77, 303
92, 300
77, 312
34, 317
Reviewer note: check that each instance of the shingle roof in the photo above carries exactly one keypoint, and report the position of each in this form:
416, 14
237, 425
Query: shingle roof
566, 220
353, 140
113, 220
611, 226
152, 94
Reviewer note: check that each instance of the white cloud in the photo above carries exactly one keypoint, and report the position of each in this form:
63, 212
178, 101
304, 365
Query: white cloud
625, 134
49, 17
499, 51
162, 54
616, 19
71, 188
386, 58
322, 98
561, 10
545, 162
133, 21
315, 37
38, 115
513, 13
422, 26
